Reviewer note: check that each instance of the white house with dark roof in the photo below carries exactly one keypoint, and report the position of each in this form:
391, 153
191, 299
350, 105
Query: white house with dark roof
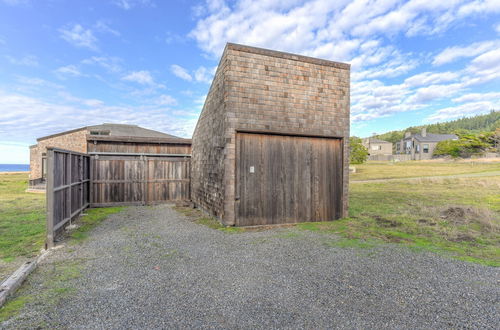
421, 145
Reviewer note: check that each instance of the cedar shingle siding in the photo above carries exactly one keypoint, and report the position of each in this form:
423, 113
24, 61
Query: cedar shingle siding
269, 92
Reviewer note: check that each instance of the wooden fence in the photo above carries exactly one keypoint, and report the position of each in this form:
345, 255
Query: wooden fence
68, 183
76, 181
133, 179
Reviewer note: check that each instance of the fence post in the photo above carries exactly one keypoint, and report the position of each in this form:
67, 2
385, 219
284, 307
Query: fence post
49, 242
91, 178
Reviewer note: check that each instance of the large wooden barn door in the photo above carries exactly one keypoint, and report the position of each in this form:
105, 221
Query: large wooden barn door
287, 179
139, 180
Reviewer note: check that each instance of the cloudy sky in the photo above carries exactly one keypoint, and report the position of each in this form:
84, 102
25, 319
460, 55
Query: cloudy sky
67, 64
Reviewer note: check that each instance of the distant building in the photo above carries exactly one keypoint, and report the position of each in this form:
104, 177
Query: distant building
421, 145
377, 147
112, 137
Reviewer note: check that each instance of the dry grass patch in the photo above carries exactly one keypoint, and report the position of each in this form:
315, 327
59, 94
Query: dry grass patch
457, 217
390, 170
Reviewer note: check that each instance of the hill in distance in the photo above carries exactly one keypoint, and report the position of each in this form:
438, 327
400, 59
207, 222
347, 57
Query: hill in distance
481, 123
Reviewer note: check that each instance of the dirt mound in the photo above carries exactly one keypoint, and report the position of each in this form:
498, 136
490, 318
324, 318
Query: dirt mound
459, 215
386, 222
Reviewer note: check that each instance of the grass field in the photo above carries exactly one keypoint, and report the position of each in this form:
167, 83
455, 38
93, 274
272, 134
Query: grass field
22, 222
388, 170
22, 218
459, 217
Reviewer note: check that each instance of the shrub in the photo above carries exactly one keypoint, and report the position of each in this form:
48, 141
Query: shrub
359, 154
467, 145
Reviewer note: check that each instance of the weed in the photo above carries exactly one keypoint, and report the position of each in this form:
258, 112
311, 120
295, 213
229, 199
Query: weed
92, 218
13, 307
199, 217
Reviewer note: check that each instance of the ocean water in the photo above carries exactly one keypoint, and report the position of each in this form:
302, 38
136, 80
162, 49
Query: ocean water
14, 167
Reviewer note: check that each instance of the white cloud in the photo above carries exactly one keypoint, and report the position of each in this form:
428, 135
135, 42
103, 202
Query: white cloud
475, 97
129, 4
484, 68
202, 74
103, 27
424, 95
166, 100
110, 64
479, 7
14, 153
467, 109
68, 70
180, 72
429, 78
205, 75
41, 118
329, 29
15, 2
28, 60
454, 53
497, 28
140, 77
78, 36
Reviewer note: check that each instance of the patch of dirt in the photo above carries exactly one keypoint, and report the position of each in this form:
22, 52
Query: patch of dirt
426, 222
386, 222
395, 239
459, 215
462, 237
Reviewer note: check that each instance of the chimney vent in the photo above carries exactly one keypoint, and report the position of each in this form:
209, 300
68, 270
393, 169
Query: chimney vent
424, 132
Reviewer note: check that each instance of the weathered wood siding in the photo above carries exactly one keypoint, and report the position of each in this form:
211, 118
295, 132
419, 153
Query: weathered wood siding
139, 180
287, 179
68, 184
138, 147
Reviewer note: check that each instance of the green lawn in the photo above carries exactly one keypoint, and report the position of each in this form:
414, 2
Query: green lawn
386, 170
22, 220
459, 217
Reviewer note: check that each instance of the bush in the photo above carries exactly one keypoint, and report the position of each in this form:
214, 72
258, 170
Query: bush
359, 154
467, 145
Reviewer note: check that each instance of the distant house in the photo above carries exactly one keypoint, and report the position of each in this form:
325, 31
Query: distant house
106, 137
377, 147
421, 145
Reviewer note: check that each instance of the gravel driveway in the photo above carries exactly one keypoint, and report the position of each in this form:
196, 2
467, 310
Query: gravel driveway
150, 267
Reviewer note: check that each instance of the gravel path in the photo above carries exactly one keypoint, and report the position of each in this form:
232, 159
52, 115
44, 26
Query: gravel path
150, 267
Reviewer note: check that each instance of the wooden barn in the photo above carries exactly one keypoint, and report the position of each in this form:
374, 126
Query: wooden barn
271, 143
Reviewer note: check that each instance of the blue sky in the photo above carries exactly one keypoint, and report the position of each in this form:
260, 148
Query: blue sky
67, 64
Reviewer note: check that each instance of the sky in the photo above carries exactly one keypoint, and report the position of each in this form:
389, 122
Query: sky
68, 64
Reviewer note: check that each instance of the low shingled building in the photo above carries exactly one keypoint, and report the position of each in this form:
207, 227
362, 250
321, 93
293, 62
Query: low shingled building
107, 137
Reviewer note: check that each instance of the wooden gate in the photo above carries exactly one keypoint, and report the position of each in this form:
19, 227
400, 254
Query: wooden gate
286, 179
68, 183
139, 179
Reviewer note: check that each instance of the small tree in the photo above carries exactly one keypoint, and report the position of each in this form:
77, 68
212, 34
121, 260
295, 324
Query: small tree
359, 154
468, 144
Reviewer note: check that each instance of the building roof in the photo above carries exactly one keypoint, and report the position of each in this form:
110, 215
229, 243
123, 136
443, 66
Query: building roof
128, 130
375, 140
284, 55
431, 137
117, 130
